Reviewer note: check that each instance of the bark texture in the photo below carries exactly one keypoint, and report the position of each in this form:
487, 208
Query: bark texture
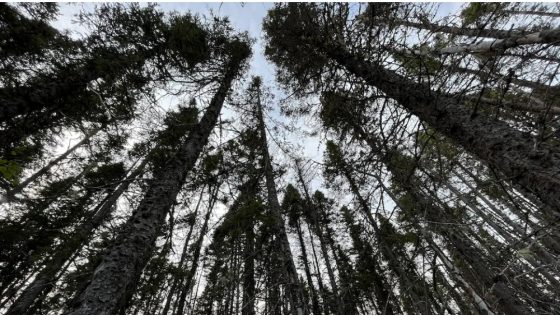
534, 168
46, 278
289, 271
121, 267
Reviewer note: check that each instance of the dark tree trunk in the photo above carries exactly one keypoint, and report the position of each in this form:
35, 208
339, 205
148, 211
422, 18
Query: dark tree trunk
187, 284
182, 260
288, 268
534, 168
248, 303
506, 299
122, 265
314, 302
45, 280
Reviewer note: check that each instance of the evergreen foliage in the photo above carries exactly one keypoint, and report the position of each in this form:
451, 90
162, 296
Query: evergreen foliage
142, 171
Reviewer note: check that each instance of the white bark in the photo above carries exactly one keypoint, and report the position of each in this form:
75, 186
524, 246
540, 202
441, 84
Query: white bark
481, 305
544, 37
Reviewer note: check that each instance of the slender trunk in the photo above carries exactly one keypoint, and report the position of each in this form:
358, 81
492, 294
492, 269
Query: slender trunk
534, 168
381, 291
506, 298
117, 274
248, 303
551, 37
187, 285
319, 230
459, 31
482, 73
318, 275
529, 12
535, 105
52, 163
45, 280
183, 258
479, 301
404, 270
314, 302
289, 271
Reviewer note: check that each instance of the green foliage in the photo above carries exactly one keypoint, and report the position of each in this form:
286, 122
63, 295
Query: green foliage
238, 49
20, 35
291, 29
240, 219
187, 40
333, 160
10, 171
419, 65
212, 162
104, 175
178, 124
401, 165
292, 204
476, 10
438, 143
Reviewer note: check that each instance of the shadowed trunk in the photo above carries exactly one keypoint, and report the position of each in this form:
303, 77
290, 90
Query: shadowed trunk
117, 274
534, 168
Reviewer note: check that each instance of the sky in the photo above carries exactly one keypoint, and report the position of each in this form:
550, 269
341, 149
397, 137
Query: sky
243, 17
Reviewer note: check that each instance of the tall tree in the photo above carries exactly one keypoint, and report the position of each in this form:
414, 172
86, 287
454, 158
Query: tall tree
531, 168
286, 261
117, 274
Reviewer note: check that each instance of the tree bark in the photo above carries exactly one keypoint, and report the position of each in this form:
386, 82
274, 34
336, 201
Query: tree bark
46, 279
551, 37
459, 31
529, 12
289, 270
120, 268
534, 168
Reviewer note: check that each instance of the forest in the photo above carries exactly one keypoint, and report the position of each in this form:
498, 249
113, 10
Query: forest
146, 167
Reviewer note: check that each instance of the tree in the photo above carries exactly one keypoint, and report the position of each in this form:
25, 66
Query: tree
530, 168
116, 275
286, 260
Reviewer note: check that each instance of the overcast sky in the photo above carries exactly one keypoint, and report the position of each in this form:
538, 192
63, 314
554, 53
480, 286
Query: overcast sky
243, 17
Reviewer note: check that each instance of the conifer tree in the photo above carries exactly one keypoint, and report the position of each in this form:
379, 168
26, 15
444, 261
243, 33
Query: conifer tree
530, 168
117, 274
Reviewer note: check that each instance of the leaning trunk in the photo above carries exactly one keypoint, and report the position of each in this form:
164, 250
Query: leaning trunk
117, 274
534, 168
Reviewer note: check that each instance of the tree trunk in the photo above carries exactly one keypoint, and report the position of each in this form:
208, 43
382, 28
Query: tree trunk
380, 287
534, 168
319, 231
405, 270
530, 12
506, 298
319, 276
551, 37
314, 302
458, 31
289, 271
248, 303
187, 284
117, 274
45, 280
183, 258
